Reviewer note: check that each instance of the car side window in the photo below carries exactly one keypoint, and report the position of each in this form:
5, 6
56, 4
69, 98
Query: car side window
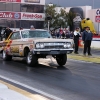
15, 35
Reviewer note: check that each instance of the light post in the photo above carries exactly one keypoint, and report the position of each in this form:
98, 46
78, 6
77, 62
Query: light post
48, 25
48, 19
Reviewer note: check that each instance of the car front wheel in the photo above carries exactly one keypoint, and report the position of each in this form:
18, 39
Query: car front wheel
6, 57
61, 59
31, 59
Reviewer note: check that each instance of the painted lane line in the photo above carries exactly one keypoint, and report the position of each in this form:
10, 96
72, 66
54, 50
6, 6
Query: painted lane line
30, 96
80, 61
31, 88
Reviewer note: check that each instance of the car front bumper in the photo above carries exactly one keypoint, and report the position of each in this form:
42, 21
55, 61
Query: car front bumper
52, 51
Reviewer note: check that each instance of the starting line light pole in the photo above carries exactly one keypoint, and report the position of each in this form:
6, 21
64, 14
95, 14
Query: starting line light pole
48, 19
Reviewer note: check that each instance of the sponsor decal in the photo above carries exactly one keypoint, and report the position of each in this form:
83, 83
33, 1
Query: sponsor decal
97, 18
10, 15
97, 12
16, 16
33, 16
77, 19
14, 49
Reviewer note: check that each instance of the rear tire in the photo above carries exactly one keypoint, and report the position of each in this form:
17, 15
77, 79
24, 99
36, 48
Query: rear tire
6, 57
61, 59
31, 59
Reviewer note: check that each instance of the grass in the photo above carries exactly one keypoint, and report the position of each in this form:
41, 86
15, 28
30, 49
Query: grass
84, 58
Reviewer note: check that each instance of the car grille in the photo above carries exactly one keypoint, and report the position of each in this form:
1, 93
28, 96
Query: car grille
53, 45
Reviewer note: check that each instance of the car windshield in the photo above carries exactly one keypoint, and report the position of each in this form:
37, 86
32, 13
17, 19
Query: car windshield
35, 34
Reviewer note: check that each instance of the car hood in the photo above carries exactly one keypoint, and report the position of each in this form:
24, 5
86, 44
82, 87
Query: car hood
50, 40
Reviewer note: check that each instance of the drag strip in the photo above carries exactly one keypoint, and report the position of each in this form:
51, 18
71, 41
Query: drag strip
75, 81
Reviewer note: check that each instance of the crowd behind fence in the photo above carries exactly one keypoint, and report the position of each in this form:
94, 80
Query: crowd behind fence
62, 34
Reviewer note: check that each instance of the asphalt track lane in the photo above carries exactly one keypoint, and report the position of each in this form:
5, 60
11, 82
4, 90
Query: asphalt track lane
76, 81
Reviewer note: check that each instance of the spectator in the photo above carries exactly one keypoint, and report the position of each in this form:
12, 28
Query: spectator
63, 35
76, 39
87, 38
7, 32
53, 34
21, 28
67, 34
58, 34
32, 27
71, 35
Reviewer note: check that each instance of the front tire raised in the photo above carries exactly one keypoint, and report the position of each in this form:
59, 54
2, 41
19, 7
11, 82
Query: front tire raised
31, 59
61, 59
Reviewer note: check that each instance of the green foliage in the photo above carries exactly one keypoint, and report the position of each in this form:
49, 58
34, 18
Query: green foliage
70, 17
50, 11
62, 19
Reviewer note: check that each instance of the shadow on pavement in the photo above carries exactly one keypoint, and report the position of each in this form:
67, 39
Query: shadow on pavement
22, 63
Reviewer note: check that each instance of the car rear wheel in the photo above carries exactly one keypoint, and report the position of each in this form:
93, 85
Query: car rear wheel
31, 59
61, 59
6, 57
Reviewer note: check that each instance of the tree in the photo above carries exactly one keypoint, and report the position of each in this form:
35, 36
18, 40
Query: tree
70, 17
61, 19
51, 11
67, 18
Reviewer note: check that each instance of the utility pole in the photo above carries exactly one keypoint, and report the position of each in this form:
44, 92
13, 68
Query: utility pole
48, 25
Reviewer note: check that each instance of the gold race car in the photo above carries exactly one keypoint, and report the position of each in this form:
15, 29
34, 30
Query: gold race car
35, 44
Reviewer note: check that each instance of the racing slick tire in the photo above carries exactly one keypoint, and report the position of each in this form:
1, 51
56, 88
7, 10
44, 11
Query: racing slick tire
6, 57
61, 59
31, 59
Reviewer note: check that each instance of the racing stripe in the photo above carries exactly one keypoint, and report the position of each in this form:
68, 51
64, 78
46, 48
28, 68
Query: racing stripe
8, 45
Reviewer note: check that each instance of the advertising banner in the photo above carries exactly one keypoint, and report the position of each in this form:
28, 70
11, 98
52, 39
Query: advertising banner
97, 19
78, 18
10, 15
41, 2
17, 1
32, 1
33, 16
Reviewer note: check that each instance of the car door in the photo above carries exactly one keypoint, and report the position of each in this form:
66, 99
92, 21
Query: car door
16, 42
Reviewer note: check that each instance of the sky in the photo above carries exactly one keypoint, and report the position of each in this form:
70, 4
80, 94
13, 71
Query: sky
73, 3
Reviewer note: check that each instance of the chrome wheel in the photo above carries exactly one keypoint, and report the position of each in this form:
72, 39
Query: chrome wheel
29, 58
4, 55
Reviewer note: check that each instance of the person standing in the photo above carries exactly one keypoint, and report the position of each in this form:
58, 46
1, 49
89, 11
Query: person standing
63, 35
87, 38
76, 39
32, 27
7, 32
21, 28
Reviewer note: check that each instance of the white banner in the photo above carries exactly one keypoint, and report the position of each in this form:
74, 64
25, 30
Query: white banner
41, 2
32, 16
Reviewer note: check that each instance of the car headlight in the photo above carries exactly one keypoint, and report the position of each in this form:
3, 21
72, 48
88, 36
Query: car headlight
39, 45
67, 45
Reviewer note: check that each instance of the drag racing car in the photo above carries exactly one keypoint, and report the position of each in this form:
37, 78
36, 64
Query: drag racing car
35, 44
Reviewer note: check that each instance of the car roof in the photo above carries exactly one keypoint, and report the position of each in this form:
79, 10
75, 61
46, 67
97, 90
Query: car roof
29, 30
33, 30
